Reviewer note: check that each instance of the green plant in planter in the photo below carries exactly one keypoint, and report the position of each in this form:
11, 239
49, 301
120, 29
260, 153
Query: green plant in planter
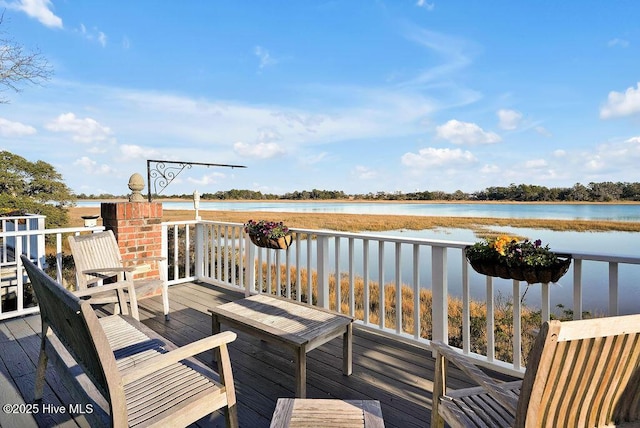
523, 260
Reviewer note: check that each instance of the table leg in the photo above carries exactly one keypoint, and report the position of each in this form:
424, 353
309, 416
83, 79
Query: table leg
300, 360
347, 351
215, 329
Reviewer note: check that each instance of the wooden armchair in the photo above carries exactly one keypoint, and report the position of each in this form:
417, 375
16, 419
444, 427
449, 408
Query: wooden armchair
579, 374
97, 257
127, 373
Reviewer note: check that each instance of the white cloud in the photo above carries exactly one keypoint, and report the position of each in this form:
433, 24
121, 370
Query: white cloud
38, 9
425, 4
466, 133
633, 140
132, 151
543, 131
560, 153
430, 156
15, 129
622, 104
93, 35
85, 130
89, 166
509, 119
490, 169
618, 42
213, 178
536, 163
259, 150
265, 58
364, 173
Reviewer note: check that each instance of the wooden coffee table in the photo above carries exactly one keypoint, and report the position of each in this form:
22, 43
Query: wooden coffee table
294, 413
298, 326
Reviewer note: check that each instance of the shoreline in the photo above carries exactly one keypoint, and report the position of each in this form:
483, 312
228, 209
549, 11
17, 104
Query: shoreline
375, 201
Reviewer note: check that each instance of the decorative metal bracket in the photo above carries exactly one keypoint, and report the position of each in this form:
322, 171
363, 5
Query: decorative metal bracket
162, 174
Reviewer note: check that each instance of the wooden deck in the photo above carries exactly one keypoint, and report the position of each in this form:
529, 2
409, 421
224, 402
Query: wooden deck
398, 375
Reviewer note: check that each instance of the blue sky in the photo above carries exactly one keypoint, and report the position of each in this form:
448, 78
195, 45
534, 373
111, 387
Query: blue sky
354, 95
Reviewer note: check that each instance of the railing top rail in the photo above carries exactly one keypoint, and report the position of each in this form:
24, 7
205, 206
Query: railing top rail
51, 231
21, 217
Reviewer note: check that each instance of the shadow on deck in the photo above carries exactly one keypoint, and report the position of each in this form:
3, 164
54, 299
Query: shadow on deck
397, 374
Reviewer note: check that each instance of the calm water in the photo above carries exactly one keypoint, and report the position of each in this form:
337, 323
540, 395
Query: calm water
609, 243
620, 212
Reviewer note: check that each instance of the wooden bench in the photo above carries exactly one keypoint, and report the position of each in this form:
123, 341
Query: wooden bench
297, 326
292, 413
97, 257
579, 373
127, 373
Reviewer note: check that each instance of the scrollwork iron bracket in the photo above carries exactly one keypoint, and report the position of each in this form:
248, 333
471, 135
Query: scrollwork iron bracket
161, 173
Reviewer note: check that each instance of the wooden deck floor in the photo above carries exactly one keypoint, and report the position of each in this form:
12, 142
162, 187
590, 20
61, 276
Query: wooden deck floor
398, 375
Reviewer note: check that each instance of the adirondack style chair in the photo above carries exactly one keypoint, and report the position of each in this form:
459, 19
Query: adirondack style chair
97, 257
579, 374
131, 376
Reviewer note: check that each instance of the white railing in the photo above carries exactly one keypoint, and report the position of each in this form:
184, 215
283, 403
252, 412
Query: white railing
441, 299
16, 297
343, 271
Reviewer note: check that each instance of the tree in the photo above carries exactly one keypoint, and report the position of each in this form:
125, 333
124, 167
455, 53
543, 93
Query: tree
35, 188
19, 66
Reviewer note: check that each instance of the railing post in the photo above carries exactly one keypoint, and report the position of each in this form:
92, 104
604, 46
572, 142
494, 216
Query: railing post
439, 309
198, 251
250, 266
322, 242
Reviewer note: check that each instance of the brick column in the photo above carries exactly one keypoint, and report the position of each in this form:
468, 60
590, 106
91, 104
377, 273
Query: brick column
137, 227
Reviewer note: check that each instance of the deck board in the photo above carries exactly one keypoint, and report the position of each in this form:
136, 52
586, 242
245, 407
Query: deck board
396, 374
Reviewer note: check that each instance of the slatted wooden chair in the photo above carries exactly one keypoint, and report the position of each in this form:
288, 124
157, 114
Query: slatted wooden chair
97, 258
579, 374
131, 376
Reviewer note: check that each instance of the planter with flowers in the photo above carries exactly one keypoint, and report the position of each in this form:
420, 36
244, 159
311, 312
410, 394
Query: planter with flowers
509, 258
268, 234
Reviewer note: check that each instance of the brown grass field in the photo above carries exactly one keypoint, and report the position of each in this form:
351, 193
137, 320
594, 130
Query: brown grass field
376, 222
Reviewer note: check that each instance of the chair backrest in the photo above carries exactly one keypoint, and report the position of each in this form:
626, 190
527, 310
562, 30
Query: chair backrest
583, 373
77, 327
94, 251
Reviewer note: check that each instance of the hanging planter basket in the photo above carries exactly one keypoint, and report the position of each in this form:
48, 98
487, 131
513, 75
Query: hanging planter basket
281, 243
530, 274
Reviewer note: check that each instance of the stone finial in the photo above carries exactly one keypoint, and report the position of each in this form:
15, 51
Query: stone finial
136, 184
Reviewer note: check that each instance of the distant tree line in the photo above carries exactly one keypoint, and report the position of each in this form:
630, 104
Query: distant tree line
593, 192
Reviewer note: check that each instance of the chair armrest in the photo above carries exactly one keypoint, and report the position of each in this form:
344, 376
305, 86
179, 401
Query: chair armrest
145, 259
163, 360
120, 285
108, 270
465, 364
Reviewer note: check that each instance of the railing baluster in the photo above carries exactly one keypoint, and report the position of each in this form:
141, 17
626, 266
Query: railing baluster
439, 306
613, 289
336, 274
298, 272
365, 280
517, 328
352, 285
382, 299
322, 270
466, 306
398, 287
577, 289
491, 341
416, 292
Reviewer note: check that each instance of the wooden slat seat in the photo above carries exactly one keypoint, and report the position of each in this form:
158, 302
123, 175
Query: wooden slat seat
97, 257
580, 374
131, 375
